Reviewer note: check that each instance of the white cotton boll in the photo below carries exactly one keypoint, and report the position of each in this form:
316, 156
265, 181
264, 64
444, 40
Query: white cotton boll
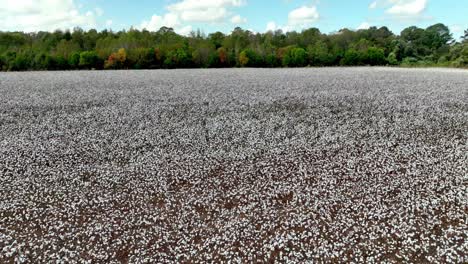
160, 166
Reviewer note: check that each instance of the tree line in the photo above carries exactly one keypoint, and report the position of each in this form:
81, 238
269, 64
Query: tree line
165, 49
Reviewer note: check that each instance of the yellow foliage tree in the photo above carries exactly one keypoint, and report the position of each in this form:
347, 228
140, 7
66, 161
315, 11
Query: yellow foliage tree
243, 59
121, 56
116, 60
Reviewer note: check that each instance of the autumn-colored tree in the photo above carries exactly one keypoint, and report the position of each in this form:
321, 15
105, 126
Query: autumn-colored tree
122, 56
243, 59
110, 63
281, 52
223, 57
250, 58
116, 60
158, 54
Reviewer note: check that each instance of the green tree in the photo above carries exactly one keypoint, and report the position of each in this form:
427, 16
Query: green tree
178, 58
42, 61
60, 63
462, 61
202, 50
437, 36
272, 61
217, 39
74, 60
21, 62
295, 57
90, 60
167, 49
66, 48
250, 58
413, 37
9, 59
238, 40
142, 58
309, 37
77, 36
351, 57
319, 54
213, 61
376, 56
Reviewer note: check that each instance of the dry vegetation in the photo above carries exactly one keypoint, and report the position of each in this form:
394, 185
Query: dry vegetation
337, 164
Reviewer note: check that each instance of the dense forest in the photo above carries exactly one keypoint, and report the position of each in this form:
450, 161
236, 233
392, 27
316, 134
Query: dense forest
135, 49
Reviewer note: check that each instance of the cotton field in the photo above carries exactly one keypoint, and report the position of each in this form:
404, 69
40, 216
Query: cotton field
235, 165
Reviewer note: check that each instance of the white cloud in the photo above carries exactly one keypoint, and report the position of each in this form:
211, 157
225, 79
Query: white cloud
237, 19
408, 10
35, 15
186, 30
186, 5
364, 25
168, 20
299, 18
303, 16
406, 7
207, 11
198, 11
210, 15
271, 26
156, 22
109, 23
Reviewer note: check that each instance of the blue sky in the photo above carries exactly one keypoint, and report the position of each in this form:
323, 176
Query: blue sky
223, 15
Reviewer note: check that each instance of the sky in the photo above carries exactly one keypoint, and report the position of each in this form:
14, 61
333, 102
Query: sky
224, 15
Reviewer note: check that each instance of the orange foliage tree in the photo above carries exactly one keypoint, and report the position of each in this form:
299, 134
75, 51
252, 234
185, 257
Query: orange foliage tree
117, 60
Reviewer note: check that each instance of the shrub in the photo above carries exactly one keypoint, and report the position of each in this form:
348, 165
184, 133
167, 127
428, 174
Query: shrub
409, 61
458, 63
443, 61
